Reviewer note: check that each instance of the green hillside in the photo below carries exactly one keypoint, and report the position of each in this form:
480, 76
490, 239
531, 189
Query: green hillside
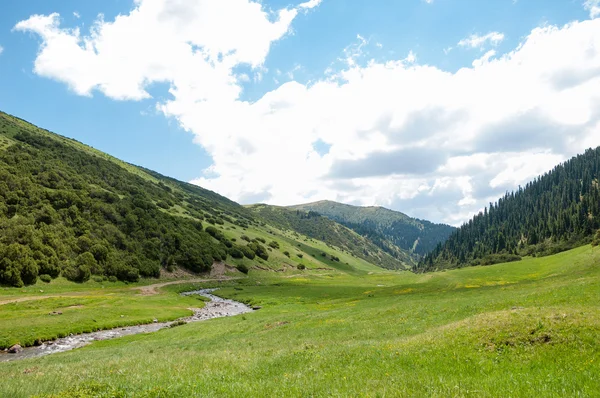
66, 208
391, 230
333, 234
558, 211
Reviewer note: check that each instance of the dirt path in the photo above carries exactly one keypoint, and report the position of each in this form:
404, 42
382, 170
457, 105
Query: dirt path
148, 290
153, 289
20, 299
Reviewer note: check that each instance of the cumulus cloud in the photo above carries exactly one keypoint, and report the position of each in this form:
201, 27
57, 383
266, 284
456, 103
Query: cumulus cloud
477, 41
193, 45
593, 6
432, 143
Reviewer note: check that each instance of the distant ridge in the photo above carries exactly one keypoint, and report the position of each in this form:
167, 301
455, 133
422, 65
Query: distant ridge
316, 226
383, 226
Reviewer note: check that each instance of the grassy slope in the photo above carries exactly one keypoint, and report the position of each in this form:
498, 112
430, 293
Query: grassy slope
519, 329
335, 235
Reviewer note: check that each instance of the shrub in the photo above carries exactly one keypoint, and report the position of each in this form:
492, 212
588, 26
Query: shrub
301, 266
262, 240
45, 278
212, 231
492, 259
286, 253
259, 249
198, 225
248, 252
236, 253
274, 244
163, 205
128, 274
300, 255
244, 237
98, 279
242, 268
100, 253
77, 273
112, 278
87, 260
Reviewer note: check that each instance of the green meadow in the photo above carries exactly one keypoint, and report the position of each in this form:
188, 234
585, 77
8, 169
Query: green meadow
530, 328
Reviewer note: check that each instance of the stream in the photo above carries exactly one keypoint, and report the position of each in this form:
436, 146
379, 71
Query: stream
216, 308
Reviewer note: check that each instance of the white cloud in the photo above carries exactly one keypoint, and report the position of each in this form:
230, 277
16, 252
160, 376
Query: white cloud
193, 45
413, 137
484, 59
477, 41
1, 49
593, 6
310, 4
76, 14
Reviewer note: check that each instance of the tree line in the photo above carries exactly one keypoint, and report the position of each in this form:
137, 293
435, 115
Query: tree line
557, 211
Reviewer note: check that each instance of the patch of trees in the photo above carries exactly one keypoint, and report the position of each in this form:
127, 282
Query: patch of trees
556, 212
67, 211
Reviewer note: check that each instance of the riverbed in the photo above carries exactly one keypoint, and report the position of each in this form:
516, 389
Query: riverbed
217, 307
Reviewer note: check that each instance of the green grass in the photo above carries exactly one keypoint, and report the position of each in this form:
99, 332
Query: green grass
512, 330
84, 311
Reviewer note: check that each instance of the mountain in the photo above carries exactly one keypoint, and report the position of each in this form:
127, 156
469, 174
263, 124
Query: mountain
555, 212
68, 209
315, 226
392, 231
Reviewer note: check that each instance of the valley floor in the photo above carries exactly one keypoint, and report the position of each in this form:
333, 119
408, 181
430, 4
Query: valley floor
521, 329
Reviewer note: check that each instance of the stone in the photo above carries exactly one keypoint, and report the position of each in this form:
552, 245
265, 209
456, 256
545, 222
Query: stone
256, 307
15, 349
155, 320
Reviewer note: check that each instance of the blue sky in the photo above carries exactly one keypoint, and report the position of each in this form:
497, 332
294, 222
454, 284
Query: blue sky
226, 124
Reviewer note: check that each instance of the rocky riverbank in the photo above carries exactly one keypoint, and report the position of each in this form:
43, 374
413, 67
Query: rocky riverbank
217, 307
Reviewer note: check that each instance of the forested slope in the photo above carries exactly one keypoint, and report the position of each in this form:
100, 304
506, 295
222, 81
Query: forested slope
385, 227
68, 208
555, 212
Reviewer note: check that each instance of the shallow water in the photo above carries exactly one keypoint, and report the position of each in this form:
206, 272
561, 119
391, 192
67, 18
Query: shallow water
217, 308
